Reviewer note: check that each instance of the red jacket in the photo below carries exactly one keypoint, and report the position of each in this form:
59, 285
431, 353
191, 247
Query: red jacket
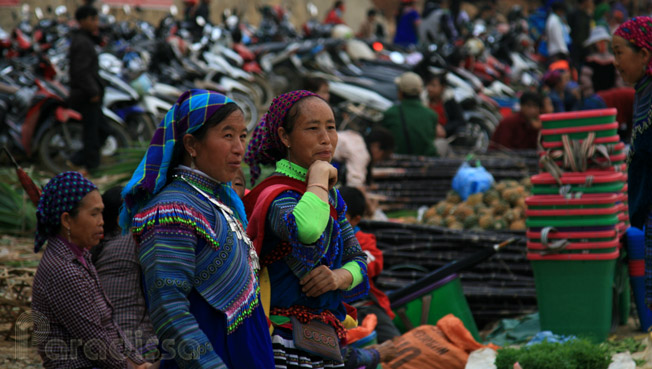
374, 267
515, 133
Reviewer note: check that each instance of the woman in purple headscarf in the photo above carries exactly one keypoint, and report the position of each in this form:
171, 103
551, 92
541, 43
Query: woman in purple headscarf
307, 248
632, 45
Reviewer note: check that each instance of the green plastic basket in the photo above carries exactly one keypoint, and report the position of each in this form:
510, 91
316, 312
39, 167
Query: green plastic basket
446, 297
575, 297
595, 188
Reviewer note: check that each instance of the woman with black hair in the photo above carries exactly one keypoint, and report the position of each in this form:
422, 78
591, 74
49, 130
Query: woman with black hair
116, 261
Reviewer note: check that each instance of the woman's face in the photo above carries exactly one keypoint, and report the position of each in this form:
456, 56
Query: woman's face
630, 63
313, 136
87, 228
220, 152
435, 89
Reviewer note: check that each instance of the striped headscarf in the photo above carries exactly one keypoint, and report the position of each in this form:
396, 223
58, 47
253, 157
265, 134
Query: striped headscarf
187, 115
265, 146
638, 31
62, 194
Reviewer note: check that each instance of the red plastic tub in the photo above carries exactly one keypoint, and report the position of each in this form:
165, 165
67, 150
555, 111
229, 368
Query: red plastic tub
583, 114
577, 245
573, 257
599, 140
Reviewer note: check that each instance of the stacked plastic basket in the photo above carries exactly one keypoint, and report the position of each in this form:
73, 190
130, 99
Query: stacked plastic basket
575, 222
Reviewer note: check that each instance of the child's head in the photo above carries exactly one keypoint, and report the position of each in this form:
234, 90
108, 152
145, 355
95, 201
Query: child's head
530, 105
380, 144
355, 204
319, 86
238, 184
436, 85
112, 200
633, 50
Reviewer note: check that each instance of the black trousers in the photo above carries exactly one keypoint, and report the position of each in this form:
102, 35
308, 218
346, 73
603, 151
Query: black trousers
95, 132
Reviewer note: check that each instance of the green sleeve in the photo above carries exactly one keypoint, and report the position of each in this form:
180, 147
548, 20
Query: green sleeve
311, 215
354, 268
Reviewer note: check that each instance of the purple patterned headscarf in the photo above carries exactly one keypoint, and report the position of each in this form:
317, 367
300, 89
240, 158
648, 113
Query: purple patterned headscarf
62, 194
265, 146
638, 31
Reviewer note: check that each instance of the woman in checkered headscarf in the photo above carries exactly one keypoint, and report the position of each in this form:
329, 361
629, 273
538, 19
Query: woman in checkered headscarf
632, 45
199, 267
71, 312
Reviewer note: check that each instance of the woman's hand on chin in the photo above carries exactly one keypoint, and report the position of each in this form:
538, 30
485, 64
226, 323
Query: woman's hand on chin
321, 280
322, 173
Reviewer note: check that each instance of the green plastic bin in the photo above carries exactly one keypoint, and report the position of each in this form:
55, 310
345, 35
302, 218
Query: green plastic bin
575, 293
432, 303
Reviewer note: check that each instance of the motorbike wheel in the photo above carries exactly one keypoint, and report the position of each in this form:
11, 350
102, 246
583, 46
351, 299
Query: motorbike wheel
480, 135
266, 88
61, 141
248, 109
140, 127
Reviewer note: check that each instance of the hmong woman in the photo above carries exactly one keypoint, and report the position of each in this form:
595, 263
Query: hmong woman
73, 318
632, 45
300, 231
199, 267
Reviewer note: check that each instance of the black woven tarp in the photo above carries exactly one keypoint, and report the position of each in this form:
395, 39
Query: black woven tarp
497, 288
409, 182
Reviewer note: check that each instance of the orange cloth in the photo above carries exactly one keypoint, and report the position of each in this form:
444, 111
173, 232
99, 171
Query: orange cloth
363, 330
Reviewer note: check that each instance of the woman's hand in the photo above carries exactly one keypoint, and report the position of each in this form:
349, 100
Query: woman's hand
321, 173
322, 279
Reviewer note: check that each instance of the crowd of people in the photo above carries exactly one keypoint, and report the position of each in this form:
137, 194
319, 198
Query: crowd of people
185, 267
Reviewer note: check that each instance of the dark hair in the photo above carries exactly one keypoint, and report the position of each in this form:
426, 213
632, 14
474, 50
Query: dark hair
558, 5
354, 199
440, 76
383, 136
112, 200
200, 134
410, 96
531, 97
313, 84
338, 4
371, 12
84, 12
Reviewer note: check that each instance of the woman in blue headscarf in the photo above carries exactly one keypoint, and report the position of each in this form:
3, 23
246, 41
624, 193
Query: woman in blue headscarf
199, 266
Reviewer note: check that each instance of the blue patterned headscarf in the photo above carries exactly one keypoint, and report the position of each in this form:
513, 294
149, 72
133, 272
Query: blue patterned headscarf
62, 194
189, 113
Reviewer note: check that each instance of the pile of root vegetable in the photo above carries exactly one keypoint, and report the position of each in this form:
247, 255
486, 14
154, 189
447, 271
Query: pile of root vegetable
500, 208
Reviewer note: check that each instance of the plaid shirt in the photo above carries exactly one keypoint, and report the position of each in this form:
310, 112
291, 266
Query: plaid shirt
119, 270
73, 322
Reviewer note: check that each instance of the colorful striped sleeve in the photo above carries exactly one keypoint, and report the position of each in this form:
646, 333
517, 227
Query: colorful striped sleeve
168, 235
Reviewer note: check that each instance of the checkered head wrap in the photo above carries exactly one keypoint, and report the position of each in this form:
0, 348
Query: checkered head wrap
62, 194
265, 146
187, 115
638, 31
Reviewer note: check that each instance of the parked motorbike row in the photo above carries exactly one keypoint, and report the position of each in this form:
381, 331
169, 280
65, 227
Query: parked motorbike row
146, 68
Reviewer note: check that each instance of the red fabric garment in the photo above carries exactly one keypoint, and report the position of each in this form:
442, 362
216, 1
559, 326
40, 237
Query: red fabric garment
622, 99
368, 243
514, 132
333, 17
257, 204
441, 112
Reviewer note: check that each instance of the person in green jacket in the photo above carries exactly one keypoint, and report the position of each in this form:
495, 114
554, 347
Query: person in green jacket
414, 125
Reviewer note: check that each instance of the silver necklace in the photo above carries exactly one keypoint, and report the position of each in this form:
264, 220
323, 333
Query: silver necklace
234, 225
